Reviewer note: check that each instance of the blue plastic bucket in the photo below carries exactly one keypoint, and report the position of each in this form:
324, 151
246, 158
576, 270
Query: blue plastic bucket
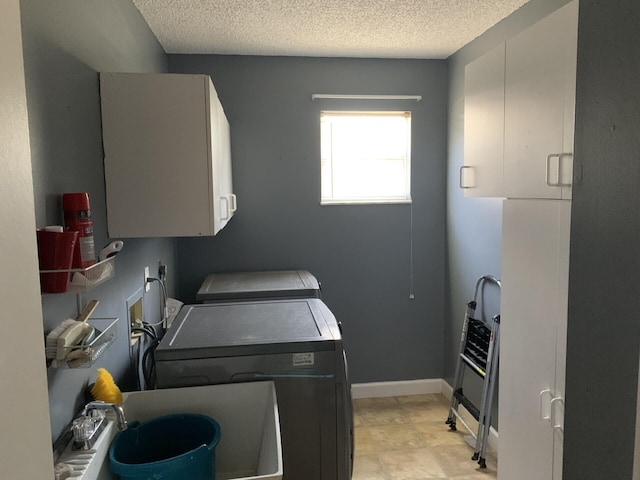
173, 447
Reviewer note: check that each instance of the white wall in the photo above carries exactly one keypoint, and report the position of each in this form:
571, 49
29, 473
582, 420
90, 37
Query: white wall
25, 452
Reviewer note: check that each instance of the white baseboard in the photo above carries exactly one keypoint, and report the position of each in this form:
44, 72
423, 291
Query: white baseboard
396, 389
417, 387
447, 390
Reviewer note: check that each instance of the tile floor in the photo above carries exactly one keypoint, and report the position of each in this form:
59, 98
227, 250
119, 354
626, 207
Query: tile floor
405, 438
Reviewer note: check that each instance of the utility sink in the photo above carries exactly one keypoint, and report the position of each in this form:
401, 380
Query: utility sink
249, 448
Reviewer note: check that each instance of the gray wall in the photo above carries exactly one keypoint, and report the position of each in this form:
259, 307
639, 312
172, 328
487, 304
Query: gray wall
361, 254
604, 273
66, 44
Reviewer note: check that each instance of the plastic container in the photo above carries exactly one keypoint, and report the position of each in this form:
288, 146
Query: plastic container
247, 413
172, 447
55, 252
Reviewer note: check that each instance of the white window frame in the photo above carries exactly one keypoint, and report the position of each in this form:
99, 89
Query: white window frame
327, 194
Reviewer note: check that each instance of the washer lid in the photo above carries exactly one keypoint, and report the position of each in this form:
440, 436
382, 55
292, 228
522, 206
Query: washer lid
246, 328
258, 286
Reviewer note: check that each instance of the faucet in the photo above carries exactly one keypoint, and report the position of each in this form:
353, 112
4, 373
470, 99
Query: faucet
117, 409
88, 426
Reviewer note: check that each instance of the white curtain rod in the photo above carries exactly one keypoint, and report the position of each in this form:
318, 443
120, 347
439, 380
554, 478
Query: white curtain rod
318, 96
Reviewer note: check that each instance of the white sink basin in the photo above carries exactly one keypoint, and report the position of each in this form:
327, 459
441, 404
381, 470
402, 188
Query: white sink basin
249, 448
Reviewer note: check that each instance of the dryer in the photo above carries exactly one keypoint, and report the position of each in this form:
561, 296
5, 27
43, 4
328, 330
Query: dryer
297, 343
260, 285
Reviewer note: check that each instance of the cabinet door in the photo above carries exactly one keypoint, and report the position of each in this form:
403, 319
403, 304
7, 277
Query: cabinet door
219, 166
533, 312
540, 69
223, 201
155, 131
167, 155
562, 286
481, 175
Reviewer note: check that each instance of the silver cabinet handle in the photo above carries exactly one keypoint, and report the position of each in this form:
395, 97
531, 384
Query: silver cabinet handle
560, 163
461, 180
555, 403
560, 157
226, 208
545, 406
548, 170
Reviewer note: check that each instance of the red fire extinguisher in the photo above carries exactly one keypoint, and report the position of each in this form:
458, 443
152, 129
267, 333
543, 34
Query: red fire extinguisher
77, 216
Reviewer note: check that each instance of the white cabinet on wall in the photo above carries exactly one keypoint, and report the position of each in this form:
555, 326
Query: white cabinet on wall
533, 330
482, 176
524, 150
540, 107
167, 155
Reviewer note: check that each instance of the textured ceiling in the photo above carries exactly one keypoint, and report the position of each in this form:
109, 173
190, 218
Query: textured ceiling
331, 28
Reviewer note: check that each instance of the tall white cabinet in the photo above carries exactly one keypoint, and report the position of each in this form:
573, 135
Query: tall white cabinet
519, 113
519, 129
167, 153
537, 170
535, 266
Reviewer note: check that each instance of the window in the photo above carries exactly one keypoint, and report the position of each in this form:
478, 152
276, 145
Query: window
365, 157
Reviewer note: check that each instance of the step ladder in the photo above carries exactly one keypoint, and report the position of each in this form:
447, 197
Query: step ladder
479, 351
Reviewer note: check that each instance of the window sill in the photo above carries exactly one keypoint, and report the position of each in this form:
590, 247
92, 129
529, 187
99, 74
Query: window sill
365, 202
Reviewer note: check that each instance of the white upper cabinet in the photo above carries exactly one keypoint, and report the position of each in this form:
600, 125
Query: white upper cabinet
481, 175
540, 107
167, 156
524, 150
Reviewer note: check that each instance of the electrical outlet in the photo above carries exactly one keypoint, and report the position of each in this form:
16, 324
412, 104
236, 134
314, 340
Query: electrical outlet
147, 285
162, 271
